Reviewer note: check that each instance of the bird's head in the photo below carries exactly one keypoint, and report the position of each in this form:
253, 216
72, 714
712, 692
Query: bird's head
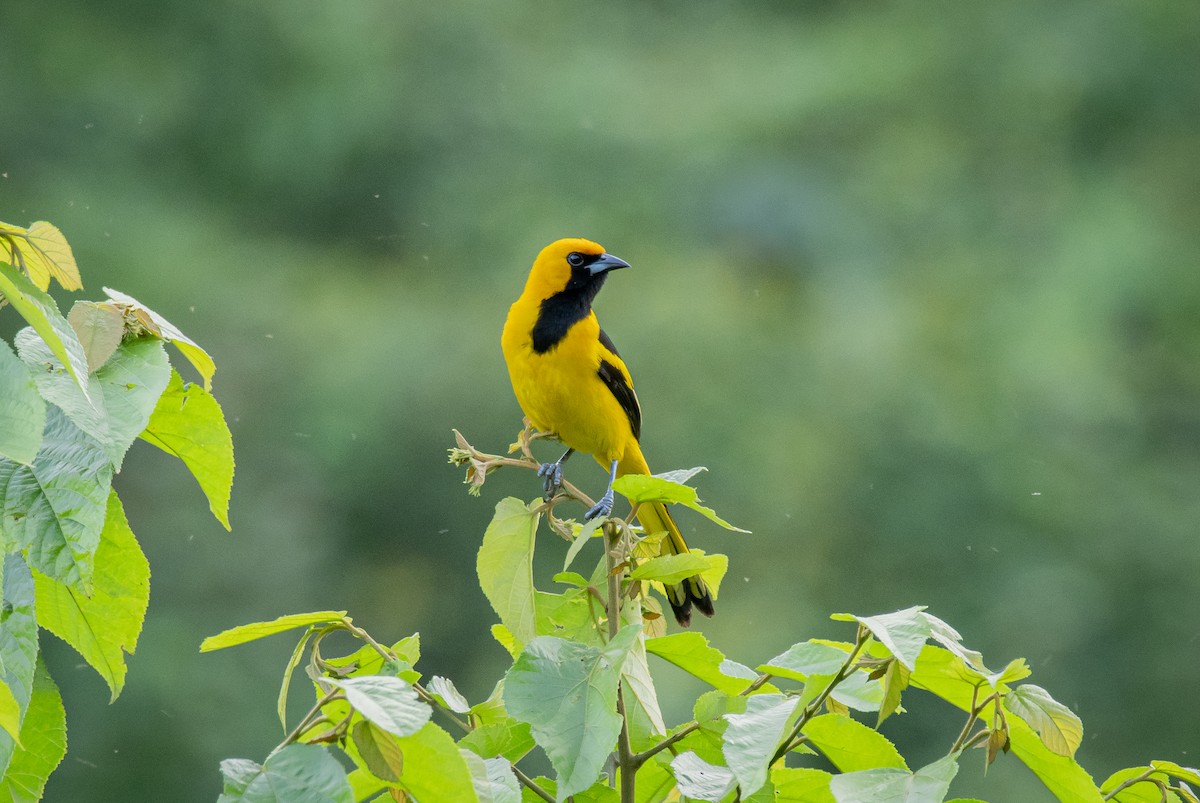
572, 265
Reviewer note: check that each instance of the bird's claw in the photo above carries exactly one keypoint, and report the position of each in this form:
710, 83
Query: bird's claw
603, 507
552, 473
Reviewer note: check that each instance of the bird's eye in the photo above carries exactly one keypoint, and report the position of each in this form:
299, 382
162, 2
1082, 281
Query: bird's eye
575, 259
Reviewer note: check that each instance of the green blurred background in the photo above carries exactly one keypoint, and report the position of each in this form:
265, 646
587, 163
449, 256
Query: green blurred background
916, 281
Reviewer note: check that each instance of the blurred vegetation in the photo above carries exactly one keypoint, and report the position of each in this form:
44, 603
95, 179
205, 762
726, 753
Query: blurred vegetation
916, 281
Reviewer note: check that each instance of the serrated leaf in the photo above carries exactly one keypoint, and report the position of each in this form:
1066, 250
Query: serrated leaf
389, 702
444, 689
99, 327
752, 738
163, 328
123, 392
692, 653
299, 773
18, 643
40, 311
510, 739
256, 630
22, 411
801, 785
493, 779
672, 569
904, 632
505, 566
1059, 728
699, 780
850, 745
567, 692
887, 785
434, 768
106, 625
646, 488
807, 658
379, 750
188, 423
43, 742
44, 252
54, 510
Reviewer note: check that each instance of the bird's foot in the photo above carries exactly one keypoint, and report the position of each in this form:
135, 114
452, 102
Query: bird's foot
603, 507
552, 474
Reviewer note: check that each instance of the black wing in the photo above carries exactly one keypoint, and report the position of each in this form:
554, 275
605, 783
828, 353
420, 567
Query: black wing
616, 382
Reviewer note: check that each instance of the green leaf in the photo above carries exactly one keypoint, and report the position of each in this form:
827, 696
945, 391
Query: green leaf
805, 659
886, 785
1146, 791
692, 653
42, 314
894, 681
256, 630
904, 632
508, 738
672, 569
389, 702
379, 750
106, 625
752, 738
700, 780
54, 509
493, 779
434, 768
567, 692
588, 530
505, 566
1061, 774
18, 642
299, 773
646, 488
10, 712
44, 252
163, 328
1060, 729
1183, 773
366, 660
43, 742
639, 684
22, 411
293, 662
123, 392
444, 690
851, 745
187, 423
99, 327
801, 785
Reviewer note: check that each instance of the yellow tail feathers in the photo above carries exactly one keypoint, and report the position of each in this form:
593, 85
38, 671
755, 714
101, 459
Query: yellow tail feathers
655, 518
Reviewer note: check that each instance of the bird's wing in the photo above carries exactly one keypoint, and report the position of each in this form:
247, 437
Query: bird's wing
616, 378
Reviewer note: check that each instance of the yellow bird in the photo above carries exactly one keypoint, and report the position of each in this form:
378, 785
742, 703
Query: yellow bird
570, 381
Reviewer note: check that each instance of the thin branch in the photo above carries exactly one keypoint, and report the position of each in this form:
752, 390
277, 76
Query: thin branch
532, 785
1128, 782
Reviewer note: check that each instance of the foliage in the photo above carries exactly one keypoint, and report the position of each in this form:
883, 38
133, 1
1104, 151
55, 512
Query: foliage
75, 395
580, 688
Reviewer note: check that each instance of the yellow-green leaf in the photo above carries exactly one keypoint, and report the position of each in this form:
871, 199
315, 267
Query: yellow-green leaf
1058, 726
187, 422
505, 566
43, 742
163, 328
44, 252
256, 630
99, 327
106, 625
42, 314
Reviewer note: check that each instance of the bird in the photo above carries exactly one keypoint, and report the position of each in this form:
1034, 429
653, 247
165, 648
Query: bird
570, 382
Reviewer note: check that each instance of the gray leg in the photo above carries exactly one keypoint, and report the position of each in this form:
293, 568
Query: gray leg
605, 505
553, 474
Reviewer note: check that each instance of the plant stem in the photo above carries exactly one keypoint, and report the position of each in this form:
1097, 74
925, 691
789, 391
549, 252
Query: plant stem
532, 785
1128, 782
313, 716
864, 636
625, 758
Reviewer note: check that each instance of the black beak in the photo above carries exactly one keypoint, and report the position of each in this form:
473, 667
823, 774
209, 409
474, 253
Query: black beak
605, 263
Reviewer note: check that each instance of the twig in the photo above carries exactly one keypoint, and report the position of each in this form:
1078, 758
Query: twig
532, 785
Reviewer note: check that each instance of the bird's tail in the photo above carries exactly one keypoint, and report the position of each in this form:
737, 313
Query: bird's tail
654, 518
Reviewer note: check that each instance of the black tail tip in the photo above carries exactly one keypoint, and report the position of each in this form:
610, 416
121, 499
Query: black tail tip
701, 598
